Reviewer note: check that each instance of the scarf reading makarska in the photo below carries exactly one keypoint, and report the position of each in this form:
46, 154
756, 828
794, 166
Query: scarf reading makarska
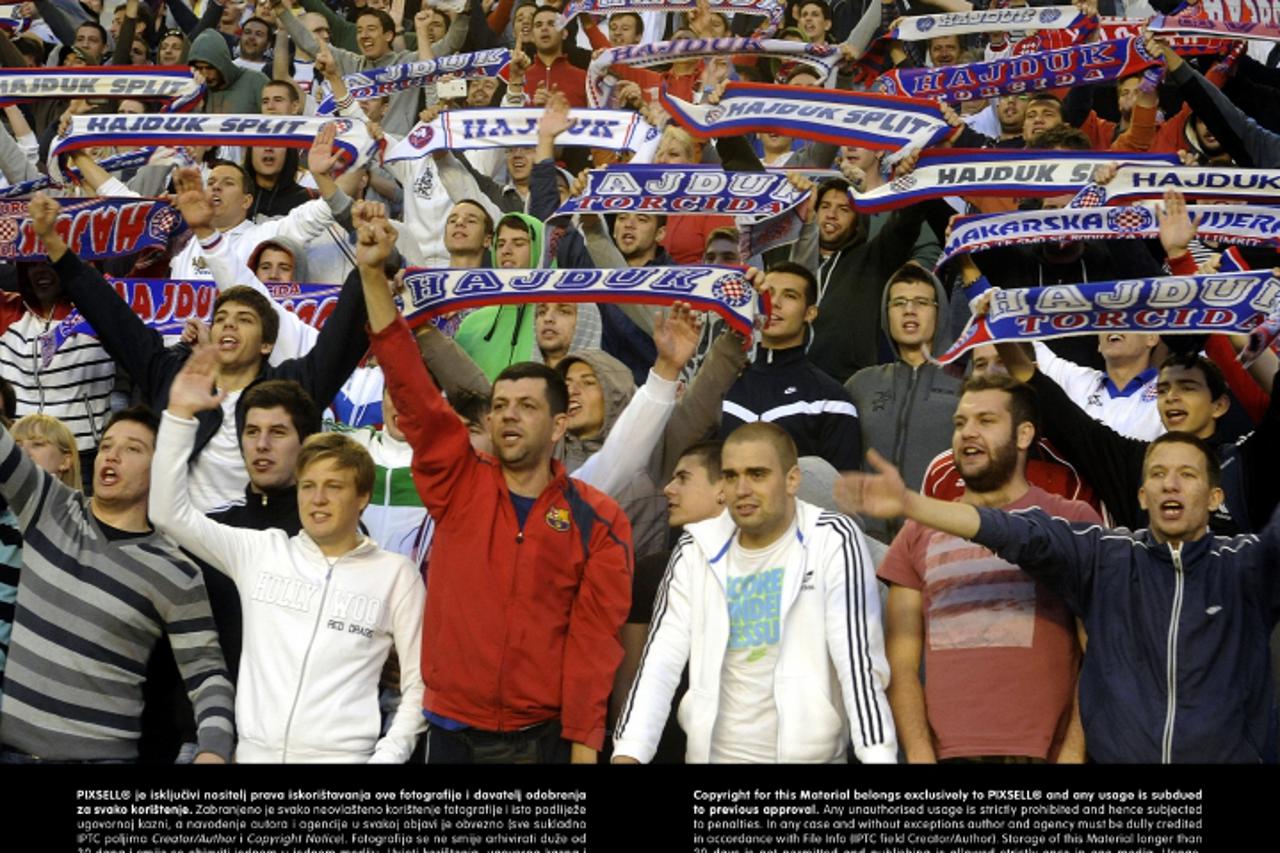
820, 57
139, 83
94, 229
656, 189
501, 127
430, 292
862, 119
376, 82
1192, 25
1078, 65
770, 9
353, 143
1236, 224
166, 305
1134, 182
920, 27
1220, 302
1020, 174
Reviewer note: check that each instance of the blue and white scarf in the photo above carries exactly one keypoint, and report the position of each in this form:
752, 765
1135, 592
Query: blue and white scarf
820, 57
985, 172
658, 189
1145, 182
353, 143
771, 9
457, 130
1236, 224
864, 119
430, 292
166, 305
376, 82
1220, 302
920, 27
115, 163
1078, 65
94, 229
173, 85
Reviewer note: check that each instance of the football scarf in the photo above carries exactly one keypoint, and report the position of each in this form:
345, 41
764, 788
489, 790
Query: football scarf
502, 127
376, 82
94, 229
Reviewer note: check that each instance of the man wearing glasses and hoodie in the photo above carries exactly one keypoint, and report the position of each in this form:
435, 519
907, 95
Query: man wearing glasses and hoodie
905, 408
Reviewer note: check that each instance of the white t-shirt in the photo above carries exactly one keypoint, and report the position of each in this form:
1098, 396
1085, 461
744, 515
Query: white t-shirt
1129, 411
746, 730
218, 477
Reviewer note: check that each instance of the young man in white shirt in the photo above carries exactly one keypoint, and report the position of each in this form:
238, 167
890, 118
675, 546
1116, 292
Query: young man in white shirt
322, 609
774, 607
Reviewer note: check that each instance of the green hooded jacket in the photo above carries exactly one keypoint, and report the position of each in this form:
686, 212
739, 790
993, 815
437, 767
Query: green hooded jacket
242, 87
498, 336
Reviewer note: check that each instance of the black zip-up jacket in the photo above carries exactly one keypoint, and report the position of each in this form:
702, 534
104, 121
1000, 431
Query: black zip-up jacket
784, 387
1178, 668
1112, 463
141, 352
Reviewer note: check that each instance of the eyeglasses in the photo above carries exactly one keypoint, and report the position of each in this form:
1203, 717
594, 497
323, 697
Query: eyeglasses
915, 302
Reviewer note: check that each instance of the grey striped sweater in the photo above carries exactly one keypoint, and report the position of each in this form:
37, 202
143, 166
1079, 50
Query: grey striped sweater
89, 611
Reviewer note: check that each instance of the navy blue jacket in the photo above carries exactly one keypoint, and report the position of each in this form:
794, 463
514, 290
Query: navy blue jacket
1178, 667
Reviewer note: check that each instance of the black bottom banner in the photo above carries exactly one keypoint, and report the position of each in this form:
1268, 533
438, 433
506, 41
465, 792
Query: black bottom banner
449, 809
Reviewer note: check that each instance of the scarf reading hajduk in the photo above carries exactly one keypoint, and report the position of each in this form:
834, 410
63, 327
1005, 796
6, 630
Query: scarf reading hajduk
1078, 65
650, 188
1234, 224
1133, 182
984, 172
921, 27
863, 119
352, 143
1218, 302
502, 127
94, 229
172, 84
429, 293
771, 10
165, 305
820, 57
376, 82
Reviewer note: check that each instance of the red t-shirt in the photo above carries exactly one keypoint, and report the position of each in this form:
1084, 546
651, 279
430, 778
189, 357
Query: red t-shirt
1000, 650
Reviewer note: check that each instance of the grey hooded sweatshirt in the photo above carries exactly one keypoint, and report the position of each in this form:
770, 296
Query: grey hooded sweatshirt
241, 91
905, 412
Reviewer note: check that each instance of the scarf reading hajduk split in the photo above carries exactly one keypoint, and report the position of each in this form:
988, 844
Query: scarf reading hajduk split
376, 82
863, 119
352, 142
820, 57
173, 85
428, 293
1216, 302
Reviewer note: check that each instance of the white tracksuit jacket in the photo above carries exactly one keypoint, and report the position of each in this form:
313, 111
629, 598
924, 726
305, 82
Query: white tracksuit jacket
316, 630
829, 684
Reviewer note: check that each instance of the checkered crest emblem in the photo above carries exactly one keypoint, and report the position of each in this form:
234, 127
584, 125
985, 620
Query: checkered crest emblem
733, 291
1127, 220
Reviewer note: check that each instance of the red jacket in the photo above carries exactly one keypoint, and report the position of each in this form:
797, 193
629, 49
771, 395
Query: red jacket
521, 627
560, 75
